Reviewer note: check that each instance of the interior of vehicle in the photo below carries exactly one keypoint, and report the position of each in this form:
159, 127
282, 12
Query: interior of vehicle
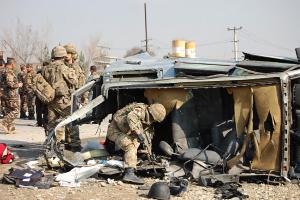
239, 124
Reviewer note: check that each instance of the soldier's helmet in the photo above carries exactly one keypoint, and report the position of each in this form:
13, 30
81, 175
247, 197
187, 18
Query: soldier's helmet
70, 48
159, 190
157, 111
58, 52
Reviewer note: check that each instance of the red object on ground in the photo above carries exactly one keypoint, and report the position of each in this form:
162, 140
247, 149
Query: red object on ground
6, 156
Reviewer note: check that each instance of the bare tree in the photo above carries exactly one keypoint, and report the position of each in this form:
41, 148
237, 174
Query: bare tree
82, 62
136, 50
94, 51
25, 44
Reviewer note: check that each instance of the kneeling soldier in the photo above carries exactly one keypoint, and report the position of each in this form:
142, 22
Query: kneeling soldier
126, 131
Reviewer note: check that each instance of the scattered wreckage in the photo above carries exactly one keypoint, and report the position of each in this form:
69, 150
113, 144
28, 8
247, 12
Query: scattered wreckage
225, 120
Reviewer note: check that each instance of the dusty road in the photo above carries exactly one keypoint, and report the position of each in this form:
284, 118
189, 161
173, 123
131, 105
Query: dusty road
31, 138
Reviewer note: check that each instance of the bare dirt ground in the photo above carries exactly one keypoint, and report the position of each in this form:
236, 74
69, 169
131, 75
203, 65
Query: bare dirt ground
31, 138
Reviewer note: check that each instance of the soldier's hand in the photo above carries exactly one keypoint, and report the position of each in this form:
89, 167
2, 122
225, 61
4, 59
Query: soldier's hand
141, 138
20, 84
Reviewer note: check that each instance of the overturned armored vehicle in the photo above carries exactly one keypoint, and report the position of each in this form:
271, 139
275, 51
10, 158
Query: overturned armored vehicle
222, 117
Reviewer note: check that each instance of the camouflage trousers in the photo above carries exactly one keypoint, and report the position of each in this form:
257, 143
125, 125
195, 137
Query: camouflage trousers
2, 111
41, 113
11, 106
128, 143
24, 107
69, 133
31, 104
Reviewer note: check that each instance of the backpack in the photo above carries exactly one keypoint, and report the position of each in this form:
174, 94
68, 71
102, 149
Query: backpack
43, 89
6, 156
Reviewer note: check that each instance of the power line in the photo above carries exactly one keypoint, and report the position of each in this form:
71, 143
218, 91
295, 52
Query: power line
213, 43
199, 45
259, 40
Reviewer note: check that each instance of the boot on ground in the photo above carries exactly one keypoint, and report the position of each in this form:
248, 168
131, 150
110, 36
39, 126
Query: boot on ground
23, 115
11, 129
130, 177
4, 128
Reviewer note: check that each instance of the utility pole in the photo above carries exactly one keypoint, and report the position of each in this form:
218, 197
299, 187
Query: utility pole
146, 30
235, 41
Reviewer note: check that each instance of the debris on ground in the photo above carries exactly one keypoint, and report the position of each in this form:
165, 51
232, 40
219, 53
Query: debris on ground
229, 191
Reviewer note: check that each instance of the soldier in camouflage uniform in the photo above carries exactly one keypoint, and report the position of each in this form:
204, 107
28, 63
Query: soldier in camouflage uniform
94, 75
23, 96
126, 131
2, 63
10, 97
63, 79
29, 91
71, 61
40, 107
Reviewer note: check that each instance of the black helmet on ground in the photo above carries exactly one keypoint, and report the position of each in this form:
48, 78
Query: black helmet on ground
159, 190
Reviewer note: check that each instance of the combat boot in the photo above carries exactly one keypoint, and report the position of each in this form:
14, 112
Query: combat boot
11, 129
4, 127
73, 148
23, 115
31, 117
130, 177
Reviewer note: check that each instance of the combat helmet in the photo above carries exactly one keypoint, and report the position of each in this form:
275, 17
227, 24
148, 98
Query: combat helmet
157, 111
58, 52
159, 190
70, 48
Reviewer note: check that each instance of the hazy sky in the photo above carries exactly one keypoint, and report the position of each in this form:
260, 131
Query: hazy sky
269, 26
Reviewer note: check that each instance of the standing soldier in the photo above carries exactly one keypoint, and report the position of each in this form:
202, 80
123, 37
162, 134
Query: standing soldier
29, 91
23, 96
10, 97
1, 86
126, 131
40, 107
62, 79
93, 75
71, 62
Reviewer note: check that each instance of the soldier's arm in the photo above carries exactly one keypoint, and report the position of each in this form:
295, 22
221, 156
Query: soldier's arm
81, 76
134, 121
12, 82
69, 75
19, 77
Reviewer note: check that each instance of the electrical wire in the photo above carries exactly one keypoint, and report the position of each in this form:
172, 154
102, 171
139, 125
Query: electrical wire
253, 37
214, 43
